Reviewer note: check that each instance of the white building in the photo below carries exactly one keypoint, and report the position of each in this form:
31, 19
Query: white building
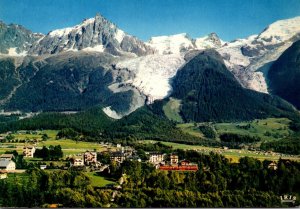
7, 165
28, 151
90, 157
78, 162
174, 159
156, 158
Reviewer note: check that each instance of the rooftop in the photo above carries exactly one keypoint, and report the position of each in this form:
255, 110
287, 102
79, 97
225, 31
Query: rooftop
4, 163
7, 156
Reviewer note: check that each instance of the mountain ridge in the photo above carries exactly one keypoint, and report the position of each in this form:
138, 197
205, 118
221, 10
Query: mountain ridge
141, 72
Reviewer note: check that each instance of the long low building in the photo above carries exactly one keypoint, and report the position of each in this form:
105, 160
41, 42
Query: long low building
184, 165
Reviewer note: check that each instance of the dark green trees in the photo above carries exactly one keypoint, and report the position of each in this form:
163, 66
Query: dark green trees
51, 153
209, 92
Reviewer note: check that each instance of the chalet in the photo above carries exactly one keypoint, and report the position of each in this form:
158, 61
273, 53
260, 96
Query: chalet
78, 162
117, 157
173, 159
7, 156
156, 158
90, 158
273, 166
28, 151
7, 165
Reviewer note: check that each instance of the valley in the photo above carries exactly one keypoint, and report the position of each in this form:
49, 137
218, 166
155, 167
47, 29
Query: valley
92, 116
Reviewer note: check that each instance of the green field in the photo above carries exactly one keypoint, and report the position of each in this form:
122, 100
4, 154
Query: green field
171, 110
97, 180
267, 129
69, 147
191, 129
34, 134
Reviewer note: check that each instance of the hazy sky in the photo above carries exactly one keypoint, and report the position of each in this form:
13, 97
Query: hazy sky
230, 19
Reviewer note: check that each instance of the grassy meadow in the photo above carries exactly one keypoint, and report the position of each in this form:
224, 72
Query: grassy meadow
267, 129
69, 147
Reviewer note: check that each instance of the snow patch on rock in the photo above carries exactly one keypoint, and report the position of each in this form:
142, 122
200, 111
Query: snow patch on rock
98, 48
111, 113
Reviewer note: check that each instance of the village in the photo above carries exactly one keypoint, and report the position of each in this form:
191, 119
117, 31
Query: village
90, 160
96, 157
102, 162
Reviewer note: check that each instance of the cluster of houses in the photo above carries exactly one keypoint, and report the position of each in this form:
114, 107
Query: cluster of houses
173, 164
159, 160
122, 154
7, 163
88, 158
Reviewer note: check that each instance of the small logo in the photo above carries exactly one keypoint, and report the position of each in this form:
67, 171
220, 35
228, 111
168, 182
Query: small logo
288, 199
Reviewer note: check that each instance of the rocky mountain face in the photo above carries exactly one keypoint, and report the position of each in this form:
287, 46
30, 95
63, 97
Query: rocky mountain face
284, 75
94, 34
15, 39
66, 82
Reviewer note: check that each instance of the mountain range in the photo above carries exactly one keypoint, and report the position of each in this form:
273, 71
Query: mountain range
96, 63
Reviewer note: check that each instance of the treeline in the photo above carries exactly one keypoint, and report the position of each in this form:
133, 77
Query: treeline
208, 131
172, 198
38, 188
157, 147
51, 153
217, 183
144, 124
95, 126
91, 121
238, 138
289, 145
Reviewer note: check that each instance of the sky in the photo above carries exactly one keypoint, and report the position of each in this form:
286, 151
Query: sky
230, 19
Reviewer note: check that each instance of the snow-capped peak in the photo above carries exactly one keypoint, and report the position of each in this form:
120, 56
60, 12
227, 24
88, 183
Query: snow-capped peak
93, 34
212, 40
280, 31
179, 43
174, 44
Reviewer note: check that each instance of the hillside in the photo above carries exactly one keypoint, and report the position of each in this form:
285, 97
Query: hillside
209, 92
284, 75
91, 121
